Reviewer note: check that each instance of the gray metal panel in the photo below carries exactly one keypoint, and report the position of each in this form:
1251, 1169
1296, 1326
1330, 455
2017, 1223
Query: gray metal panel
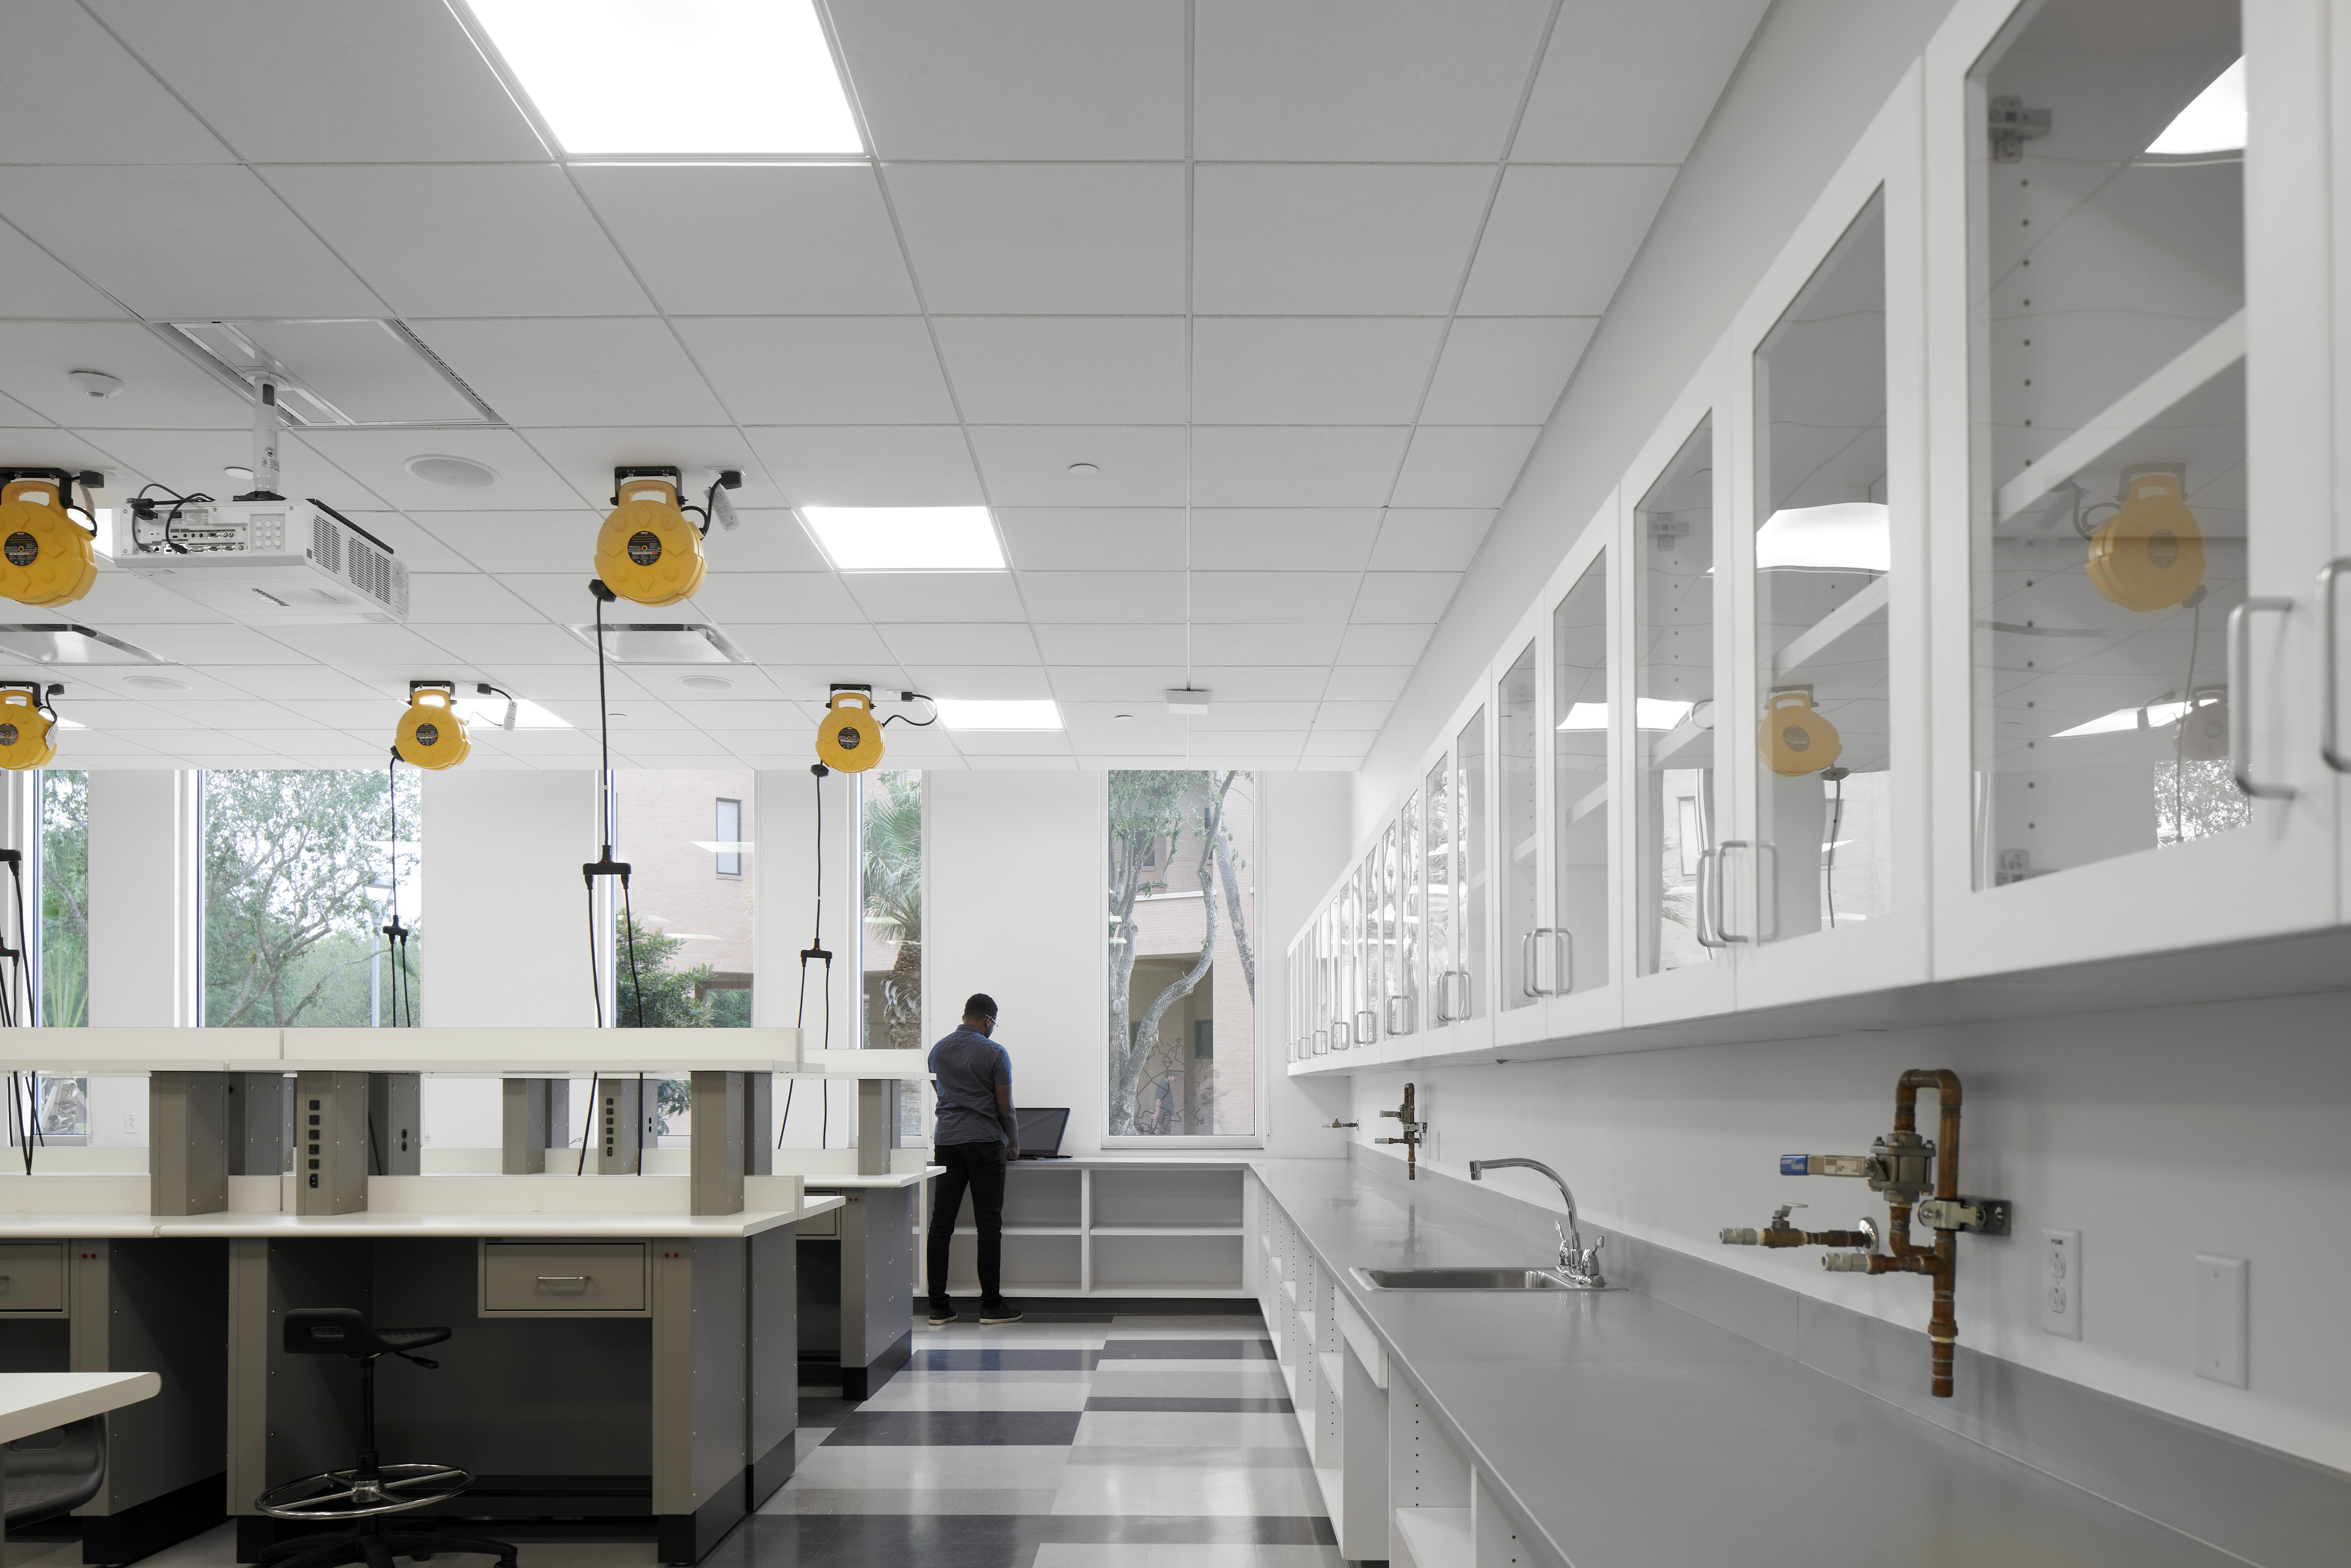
773, 1332
311, 1421
619, 1128
877, 1270
758, 1123
330, 1116
525, 1127
250, 1326
187, 1121
260, 1123
156, 1306
877, 1124
394, 1129
32, 1277
716, 1159
701, 1354
673, 1391
568, 1278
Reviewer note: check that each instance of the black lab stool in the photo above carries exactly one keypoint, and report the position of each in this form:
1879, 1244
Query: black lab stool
370, 1490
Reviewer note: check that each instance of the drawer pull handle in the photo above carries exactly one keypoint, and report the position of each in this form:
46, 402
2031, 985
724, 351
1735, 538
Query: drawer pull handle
579, 1280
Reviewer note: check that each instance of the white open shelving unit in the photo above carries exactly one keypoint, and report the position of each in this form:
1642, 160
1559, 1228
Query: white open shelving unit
1128, 1229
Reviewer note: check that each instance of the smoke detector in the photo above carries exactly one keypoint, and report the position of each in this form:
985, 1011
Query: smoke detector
96, 383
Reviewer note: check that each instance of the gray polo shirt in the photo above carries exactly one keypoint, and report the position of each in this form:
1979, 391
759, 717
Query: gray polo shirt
968, 1066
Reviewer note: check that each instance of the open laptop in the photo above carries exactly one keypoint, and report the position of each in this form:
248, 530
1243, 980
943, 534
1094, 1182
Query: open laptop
1041, 1133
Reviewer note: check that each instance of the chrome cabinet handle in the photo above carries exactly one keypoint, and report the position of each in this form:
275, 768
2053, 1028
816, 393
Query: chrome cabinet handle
1322, 1041
2330, 739
1340, 1039
1565, 958
1704, 902
1399, 1007
2240, 715
1527, 962
579, 1280
1367, 1026
1722, 875
1763, 849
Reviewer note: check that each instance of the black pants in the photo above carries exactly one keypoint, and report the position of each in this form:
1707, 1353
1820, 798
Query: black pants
980, 1167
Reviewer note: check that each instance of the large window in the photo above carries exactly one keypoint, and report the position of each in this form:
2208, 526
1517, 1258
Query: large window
1183, 965
890, 842
689, 840
301, 869
65, 898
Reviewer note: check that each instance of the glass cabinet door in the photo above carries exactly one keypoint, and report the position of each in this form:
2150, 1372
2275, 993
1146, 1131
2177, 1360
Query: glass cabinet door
1517, 717
1440, 879
2110, 499
1406, 864
1674, 707
1376, 917
1581, 835
1391, 905
1470, 886
1823, 583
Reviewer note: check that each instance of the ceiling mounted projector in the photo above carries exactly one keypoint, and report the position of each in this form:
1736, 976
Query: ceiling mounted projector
46, 557
848, 738
432, 732
266, 563
26, 723
647, 551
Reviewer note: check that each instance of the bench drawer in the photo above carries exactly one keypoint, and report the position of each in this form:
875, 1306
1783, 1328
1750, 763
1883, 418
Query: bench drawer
32, 1276
564, 1278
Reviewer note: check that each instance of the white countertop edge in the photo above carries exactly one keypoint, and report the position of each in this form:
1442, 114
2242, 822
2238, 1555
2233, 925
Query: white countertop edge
895, 1179
33, 1401
750, 1222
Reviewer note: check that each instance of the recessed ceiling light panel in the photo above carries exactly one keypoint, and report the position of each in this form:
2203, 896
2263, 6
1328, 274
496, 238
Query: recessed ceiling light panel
663, 643
906, 538
63, 642
620, 79
992, 713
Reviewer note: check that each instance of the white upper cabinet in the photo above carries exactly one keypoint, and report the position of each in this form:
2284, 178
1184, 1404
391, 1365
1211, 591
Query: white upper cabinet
2133, 479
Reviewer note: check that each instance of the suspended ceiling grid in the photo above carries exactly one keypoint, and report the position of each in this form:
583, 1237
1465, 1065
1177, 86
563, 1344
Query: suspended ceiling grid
1303, 282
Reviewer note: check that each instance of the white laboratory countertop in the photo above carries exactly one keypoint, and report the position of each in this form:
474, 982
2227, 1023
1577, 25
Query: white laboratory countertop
381, 1225
814, 1181
33, 1401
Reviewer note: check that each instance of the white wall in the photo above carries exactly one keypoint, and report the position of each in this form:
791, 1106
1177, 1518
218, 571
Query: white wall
2157, 1134
508, 940
1016, 907
146, 870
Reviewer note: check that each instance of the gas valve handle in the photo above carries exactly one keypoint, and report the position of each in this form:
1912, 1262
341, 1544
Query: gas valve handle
1827, 1164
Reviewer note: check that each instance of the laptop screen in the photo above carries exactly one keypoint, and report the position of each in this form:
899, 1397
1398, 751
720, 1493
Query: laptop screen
1041, 1131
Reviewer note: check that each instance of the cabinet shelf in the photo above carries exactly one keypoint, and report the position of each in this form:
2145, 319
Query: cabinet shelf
1808, 645
1232, 1230
1438, 1537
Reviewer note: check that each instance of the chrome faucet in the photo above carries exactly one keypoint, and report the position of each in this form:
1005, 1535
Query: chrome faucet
1579, 1264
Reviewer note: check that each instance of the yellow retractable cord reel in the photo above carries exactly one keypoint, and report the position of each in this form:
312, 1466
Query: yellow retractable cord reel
27, 724
2149, 556
432, 732
46, 559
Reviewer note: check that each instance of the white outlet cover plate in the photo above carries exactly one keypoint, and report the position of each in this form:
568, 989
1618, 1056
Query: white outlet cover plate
2223, 1320
2061, 1283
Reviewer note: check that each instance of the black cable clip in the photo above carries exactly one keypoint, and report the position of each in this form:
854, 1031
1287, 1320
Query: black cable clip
606, 866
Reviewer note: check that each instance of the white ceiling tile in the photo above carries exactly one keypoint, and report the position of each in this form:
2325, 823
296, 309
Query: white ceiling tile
751, 685
1329, 764
1041, 745
1633, 84
460, 597
1283, 538
1360, 370
39, 447
1103, 240
1339, 743
1396, 644
1271, 684
1404, 595
587, 455
235, 249
1505, 369
1560, 239
77, 96
869, 465
213, 645
791, 241
486, 646
981, 763
980, 681
932, 643
1094, 538
291, 683
516, 545
772, 598
33, 283
720, 717
1225, 715
161, 389
1271, 596
1334, 715
121, 603
1127, 686
1049, 369
419, 550
822, 369
1295, 466
529, 246
851, 642
1028, 465
1113, 644
887, 596
379, 460
616, 371
372, 643
1263, 643
1084, 597
1431, 540
1094, 725
1394, 80
1464, 464
188, 461
15, 415
1367, 683
1031, 79
767, 542
1333, 239
344, 78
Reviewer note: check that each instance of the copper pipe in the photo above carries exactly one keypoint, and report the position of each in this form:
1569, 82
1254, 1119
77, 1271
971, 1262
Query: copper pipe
1943, 1324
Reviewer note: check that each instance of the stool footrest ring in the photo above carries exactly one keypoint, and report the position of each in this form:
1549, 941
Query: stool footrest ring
349, 1494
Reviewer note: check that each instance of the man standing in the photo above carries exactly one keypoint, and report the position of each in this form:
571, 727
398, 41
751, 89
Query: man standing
976, 1133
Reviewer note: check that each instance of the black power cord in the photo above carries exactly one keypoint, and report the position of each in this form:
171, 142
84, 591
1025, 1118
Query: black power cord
396, 934
815, 949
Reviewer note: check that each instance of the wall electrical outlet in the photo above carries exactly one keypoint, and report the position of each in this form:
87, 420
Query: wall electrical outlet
2223, 1314
2061, 1283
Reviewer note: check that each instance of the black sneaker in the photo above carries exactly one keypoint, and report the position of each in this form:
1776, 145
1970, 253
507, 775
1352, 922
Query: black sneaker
941, 1316
1002, 1312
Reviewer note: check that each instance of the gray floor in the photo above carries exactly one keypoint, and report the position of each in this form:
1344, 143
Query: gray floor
1139, 1442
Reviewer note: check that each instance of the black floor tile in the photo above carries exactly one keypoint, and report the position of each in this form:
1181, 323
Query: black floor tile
1186, 1401
1188, 1350
985, 1540
1008, 1359
925, 1429
824, 1409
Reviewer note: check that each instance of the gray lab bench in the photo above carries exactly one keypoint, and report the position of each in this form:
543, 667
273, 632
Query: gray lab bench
1617, 1431
857, 1271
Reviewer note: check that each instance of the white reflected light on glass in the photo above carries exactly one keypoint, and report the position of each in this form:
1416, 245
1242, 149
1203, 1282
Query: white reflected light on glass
623, 77
2154, 715
1649, 713
992, 713
2213, 122
906, 538
1844, 536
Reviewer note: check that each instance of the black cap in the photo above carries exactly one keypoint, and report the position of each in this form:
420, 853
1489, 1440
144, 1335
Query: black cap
980, 1005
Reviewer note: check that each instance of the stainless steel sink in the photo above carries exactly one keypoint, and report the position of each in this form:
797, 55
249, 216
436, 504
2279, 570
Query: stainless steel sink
1537, 1279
